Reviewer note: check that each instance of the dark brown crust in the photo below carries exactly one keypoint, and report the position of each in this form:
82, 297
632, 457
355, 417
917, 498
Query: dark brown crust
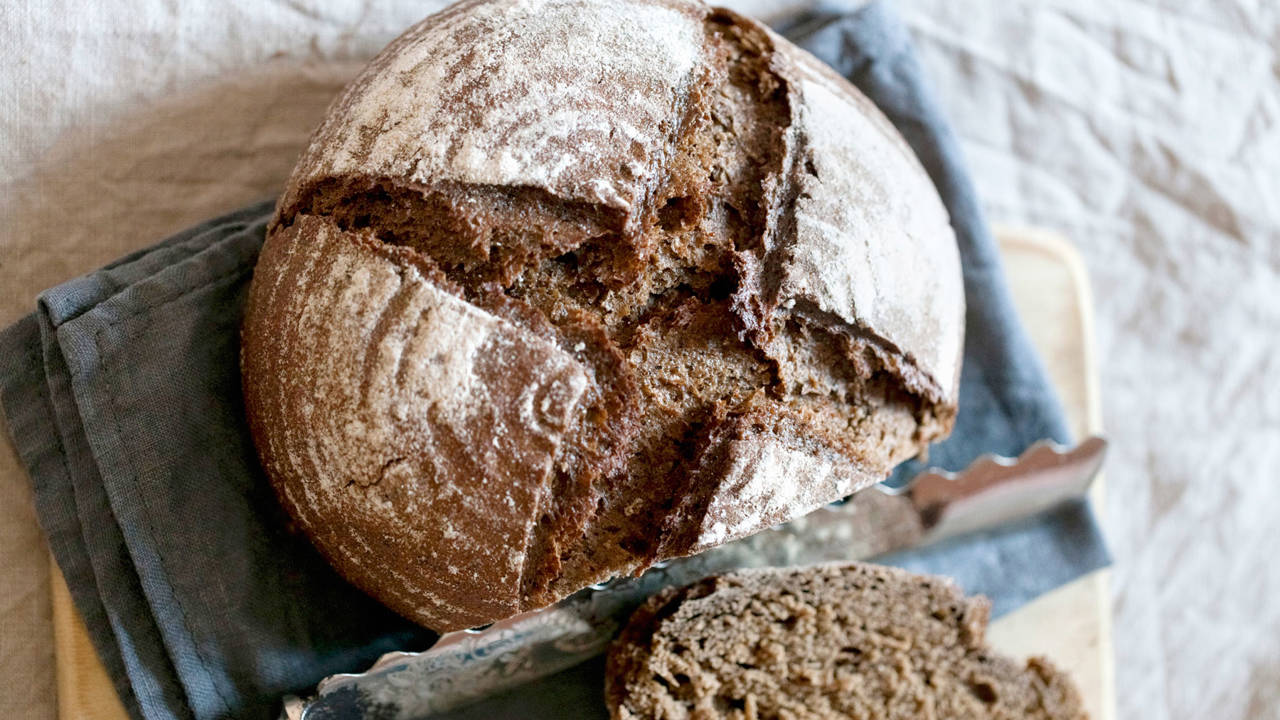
374, 486
829, 641
698, 381
504, 228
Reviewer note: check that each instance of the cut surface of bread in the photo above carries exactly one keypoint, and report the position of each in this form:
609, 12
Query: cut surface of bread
828, 641
536, 312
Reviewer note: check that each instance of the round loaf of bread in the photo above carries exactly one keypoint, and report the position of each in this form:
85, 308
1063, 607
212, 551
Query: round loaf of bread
562, 288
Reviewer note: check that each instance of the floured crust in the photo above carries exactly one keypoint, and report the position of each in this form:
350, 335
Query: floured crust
872, 246
382, 403
720, 277
769, 473
580, 99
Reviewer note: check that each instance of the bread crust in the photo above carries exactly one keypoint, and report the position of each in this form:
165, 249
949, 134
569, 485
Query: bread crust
521, 171
411, 433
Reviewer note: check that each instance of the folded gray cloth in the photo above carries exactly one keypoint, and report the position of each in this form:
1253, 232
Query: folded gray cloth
122, 396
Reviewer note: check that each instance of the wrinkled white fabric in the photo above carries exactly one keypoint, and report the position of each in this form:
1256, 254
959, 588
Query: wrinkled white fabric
1149, 133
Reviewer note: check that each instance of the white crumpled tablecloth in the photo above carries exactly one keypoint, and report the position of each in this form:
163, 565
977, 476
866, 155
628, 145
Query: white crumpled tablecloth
1148, 132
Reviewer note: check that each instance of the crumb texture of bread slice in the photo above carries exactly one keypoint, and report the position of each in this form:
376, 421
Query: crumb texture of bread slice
829, 641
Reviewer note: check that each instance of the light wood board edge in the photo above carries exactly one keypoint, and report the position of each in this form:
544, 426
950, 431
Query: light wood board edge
85, 692
1084, 605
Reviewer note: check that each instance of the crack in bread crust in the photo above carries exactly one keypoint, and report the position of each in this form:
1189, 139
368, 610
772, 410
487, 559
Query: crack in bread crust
670, 305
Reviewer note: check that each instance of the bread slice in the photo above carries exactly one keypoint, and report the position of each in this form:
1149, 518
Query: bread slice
829, 641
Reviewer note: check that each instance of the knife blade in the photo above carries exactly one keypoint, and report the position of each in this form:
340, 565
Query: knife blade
936, 505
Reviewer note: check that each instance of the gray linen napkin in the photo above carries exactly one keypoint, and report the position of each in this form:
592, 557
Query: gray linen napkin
122, 396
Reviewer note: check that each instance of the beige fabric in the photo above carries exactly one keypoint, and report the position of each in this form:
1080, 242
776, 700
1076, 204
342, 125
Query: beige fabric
1148, 135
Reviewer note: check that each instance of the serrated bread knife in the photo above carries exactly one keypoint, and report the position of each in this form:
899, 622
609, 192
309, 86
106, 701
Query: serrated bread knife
467, 665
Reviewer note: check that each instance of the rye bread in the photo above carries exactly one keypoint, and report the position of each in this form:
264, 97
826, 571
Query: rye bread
563, 288
828, 641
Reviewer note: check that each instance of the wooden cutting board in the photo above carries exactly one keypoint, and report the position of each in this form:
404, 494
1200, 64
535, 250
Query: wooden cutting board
1071, 625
